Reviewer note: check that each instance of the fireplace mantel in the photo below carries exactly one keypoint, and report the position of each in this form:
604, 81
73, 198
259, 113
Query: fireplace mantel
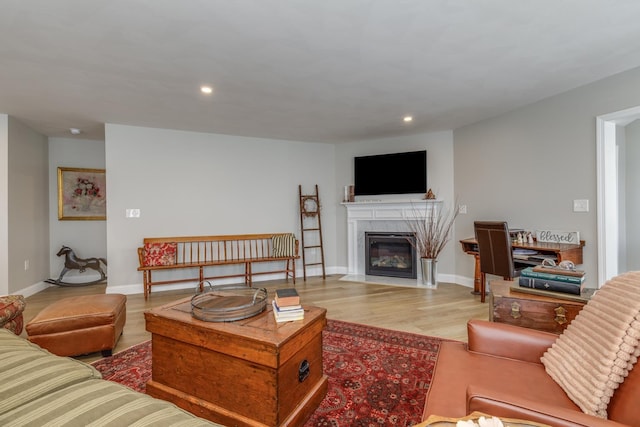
391, 210
391, 215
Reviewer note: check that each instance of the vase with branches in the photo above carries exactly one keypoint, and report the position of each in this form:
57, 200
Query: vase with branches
432, 232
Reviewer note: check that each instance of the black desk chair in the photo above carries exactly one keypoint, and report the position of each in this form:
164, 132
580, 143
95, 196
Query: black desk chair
495, 251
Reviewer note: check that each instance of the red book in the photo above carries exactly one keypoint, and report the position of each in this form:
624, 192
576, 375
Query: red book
287, 297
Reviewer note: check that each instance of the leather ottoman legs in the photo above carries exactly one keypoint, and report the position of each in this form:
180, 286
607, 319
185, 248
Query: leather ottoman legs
80, 325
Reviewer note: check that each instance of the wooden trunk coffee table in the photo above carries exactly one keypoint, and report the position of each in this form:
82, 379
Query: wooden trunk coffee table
251, 372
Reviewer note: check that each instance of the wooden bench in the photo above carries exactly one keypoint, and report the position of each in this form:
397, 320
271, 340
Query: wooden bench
200, 252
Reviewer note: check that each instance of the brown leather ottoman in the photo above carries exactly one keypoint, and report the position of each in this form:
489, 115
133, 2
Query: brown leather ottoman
80, 325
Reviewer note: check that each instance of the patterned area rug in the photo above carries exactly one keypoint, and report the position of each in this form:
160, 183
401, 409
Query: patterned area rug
377, 377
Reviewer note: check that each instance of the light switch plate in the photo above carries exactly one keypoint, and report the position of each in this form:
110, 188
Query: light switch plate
581, 205
132, 213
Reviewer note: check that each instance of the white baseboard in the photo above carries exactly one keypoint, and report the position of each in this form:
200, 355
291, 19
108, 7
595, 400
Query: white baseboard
138, 288
33, 289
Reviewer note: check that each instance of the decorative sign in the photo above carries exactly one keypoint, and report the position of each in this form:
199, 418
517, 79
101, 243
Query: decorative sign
552, 236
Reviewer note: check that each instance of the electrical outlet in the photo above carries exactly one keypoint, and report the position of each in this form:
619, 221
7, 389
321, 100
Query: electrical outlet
26, 264
462, 209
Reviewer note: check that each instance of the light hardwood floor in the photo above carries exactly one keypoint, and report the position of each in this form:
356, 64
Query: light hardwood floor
442, 312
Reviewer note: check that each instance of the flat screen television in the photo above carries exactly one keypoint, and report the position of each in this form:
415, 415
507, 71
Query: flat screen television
396, 173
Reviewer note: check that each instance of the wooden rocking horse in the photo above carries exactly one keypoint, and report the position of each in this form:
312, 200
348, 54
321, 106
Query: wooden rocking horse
72, 262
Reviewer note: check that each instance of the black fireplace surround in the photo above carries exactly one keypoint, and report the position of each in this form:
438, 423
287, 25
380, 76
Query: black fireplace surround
390, 254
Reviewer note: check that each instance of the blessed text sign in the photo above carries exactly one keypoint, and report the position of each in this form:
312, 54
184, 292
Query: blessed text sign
554, 236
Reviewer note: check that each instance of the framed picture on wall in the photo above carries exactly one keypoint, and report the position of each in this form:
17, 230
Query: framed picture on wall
82, 194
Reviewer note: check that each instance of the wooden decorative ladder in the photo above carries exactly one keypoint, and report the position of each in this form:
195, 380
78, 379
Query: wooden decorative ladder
311, 227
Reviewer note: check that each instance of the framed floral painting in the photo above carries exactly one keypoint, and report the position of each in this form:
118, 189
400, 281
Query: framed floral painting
82, 194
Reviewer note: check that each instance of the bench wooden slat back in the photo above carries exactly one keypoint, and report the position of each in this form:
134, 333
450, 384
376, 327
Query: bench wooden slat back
212, 249
206, 252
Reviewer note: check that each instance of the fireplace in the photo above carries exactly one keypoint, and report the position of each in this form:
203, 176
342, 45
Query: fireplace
390, 254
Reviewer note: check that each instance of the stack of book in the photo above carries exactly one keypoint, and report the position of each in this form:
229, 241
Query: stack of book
286, 305
552, 279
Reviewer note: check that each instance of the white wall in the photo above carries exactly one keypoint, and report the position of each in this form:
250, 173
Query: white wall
189, 183
632, 200
525, 166
621, 162
528, 165
86, 238
28, 210
439, 146
4, 204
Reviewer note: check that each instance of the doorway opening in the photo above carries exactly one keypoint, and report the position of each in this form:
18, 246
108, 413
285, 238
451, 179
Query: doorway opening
612, 201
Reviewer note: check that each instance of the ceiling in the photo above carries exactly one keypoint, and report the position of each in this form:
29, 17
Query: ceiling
305, 70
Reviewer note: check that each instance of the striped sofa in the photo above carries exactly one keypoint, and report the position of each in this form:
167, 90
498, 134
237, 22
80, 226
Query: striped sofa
41, 389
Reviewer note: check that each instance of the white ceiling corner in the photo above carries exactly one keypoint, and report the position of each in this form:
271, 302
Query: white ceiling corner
306, 70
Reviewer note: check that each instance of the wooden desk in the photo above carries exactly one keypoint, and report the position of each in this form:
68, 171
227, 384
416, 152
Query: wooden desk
561, 252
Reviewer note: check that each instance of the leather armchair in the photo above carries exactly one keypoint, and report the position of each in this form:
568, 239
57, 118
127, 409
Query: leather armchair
499, 373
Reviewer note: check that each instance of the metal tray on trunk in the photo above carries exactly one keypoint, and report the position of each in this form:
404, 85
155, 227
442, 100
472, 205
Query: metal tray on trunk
227, 303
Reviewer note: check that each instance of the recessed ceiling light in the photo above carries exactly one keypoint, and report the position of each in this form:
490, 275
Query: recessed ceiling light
407, 119
74, 131
206, 89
